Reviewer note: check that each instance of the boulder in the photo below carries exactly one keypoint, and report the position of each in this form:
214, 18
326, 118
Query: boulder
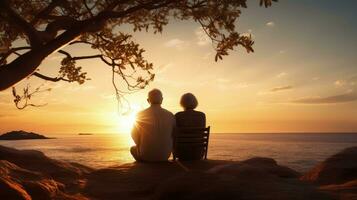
338, 169
26, 174
36, 161
256, 178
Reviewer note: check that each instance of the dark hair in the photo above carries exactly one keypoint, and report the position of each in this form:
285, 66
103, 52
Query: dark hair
188, 101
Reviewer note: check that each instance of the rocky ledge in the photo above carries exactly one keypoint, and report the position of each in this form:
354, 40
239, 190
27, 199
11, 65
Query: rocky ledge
29, 174
21, 135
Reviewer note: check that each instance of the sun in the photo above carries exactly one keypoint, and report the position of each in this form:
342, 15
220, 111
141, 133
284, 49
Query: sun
126, 121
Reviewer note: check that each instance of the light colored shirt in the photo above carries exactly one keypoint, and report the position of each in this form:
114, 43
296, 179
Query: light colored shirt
152, 133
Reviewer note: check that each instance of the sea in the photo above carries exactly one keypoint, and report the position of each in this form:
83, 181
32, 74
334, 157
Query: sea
299, 151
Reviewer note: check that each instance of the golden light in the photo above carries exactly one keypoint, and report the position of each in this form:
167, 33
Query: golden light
127, 120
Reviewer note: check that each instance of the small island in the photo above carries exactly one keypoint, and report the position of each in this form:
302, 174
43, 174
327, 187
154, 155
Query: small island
21, 135
85, 133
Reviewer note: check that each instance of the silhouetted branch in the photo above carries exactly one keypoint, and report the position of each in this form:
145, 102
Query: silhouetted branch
21, 101
7, 53
46, 11
146, 6
15, 19
47, 78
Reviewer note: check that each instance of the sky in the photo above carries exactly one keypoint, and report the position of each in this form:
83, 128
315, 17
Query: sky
302, 77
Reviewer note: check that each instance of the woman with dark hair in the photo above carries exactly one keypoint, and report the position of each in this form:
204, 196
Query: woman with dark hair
189, 118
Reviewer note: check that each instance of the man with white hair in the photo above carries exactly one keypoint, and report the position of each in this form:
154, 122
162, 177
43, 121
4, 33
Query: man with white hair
152, 132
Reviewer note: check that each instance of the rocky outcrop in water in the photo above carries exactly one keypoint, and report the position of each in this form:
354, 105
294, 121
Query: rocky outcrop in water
21, 135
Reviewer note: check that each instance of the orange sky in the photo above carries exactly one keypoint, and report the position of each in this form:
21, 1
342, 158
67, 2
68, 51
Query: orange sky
302, 78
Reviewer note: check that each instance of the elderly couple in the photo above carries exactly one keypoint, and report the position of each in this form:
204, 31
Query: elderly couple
155, 126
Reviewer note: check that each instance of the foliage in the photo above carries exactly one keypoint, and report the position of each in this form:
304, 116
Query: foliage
49, 25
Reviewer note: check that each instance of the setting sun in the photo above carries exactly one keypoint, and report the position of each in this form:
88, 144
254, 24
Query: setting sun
127, 120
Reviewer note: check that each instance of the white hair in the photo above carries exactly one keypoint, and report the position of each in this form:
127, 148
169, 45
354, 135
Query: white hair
188, 101
155, 96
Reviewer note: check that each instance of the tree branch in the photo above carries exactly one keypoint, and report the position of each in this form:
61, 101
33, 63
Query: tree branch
22, 24
46, 11
84, 57
61, 23
5, 55
148, 6
47, 78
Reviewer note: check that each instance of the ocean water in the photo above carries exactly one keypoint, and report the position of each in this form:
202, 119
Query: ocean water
300, 151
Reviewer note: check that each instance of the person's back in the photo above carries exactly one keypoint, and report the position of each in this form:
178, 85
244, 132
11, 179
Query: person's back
189, 118
153, 130
155, 125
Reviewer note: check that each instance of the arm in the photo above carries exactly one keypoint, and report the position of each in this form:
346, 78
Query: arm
135, 133
204, 119
174, 127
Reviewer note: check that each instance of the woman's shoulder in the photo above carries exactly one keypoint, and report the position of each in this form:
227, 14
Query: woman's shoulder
179, 113
199, 113
190, 112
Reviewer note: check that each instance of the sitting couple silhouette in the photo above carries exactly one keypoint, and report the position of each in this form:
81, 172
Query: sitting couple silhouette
155, 128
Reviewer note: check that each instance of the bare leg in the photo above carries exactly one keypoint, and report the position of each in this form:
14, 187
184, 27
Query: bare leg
134, 153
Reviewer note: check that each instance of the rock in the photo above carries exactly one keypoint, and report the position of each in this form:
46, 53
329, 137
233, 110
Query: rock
25, 184
257, 178
28, 174
37, 161
345, 191
12, 190
256, 166
338, 169
337, 175
21, 135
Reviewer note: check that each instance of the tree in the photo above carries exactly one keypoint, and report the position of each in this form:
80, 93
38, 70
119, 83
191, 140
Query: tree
48, 26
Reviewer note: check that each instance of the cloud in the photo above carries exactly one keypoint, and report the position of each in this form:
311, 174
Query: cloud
282, 51
228, 85
208, 56
202, 37
334, 99
8, 115
176, 43
282, 74
353, 80
163, 68
270, 24
73, 88
277, 89
223, 80
349, 82
107, 96
339, 83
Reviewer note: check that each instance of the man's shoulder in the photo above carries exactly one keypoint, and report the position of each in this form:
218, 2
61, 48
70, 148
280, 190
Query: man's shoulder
143, 112
167, 112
